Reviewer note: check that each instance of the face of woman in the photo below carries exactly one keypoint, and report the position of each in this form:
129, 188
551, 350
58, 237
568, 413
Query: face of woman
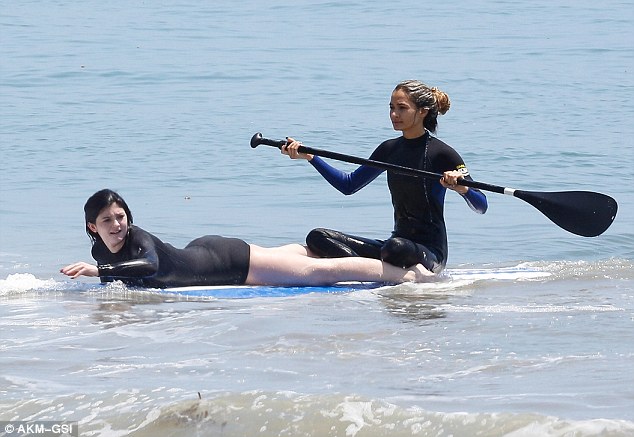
112, 226
405, 116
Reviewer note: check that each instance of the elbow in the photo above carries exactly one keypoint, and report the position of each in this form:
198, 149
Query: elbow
476, 201
347, 190
481, 206
152, 269
484, 206
478, 209
147, 267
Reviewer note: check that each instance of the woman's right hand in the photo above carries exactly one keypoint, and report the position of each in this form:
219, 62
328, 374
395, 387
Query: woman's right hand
291, 147
78, 269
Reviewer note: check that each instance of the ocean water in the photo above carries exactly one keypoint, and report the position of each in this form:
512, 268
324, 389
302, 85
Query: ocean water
159, 100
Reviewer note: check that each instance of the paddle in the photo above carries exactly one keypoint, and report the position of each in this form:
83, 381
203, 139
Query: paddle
583, 213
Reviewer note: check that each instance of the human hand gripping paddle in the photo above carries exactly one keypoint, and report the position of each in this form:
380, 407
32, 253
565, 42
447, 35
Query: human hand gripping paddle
583, 213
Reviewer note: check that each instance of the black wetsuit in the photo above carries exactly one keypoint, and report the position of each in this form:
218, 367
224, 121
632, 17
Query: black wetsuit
419, 234
146, 261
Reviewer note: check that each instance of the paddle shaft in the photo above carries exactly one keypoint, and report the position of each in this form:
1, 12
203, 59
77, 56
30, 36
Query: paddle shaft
257, 140
581, 212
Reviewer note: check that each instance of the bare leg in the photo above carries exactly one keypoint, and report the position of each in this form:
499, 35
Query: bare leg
278, 267
295, 248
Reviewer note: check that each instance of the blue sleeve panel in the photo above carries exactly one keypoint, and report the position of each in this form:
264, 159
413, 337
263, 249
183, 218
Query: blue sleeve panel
476, 200
350, 183
347, 183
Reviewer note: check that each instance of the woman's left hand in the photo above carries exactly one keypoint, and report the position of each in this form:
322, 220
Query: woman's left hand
450, 180
80, 269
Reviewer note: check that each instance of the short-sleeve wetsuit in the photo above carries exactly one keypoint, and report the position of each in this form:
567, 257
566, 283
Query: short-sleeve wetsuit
419, 234
146, 261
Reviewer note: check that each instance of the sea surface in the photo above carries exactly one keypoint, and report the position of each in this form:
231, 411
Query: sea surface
159, 99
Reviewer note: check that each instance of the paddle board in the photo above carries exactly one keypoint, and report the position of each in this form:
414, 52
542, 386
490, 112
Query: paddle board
18, 283
448, 276
247, 291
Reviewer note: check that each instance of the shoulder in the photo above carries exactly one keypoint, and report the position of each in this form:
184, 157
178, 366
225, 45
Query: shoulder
100, 252
137, 232
439, 144
439, 147
141, 241
444, 157
385, 148
141, 237
392, 142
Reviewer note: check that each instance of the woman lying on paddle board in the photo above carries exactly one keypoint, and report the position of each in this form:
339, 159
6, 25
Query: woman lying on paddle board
126, 252
419, 234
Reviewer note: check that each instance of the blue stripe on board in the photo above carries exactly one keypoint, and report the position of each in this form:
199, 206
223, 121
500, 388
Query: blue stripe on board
243, 292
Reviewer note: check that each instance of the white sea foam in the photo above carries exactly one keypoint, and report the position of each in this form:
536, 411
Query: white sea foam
17, 283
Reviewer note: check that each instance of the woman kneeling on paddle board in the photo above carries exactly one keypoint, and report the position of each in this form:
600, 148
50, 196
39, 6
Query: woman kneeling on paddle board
419, 234
126, 252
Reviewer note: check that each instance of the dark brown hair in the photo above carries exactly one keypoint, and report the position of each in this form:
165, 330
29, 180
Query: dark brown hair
97, 202
424, 97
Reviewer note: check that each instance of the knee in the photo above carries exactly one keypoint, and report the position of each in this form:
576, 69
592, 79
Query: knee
317, 241
316, 235
400, 252
327, 243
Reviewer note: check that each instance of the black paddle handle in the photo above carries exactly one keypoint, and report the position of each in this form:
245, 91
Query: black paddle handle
257, 140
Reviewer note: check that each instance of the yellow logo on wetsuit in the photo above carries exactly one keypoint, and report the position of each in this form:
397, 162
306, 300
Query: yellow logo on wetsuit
463, 169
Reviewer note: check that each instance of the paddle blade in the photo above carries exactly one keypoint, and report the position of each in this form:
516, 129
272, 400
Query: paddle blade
581, 212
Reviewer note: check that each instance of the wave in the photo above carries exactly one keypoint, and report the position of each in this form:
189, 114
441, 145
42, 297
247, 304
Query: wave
279, 414
292, 414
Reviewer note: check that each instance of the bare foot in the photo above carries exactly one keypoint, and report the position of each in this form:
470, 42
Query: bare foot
418, 273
